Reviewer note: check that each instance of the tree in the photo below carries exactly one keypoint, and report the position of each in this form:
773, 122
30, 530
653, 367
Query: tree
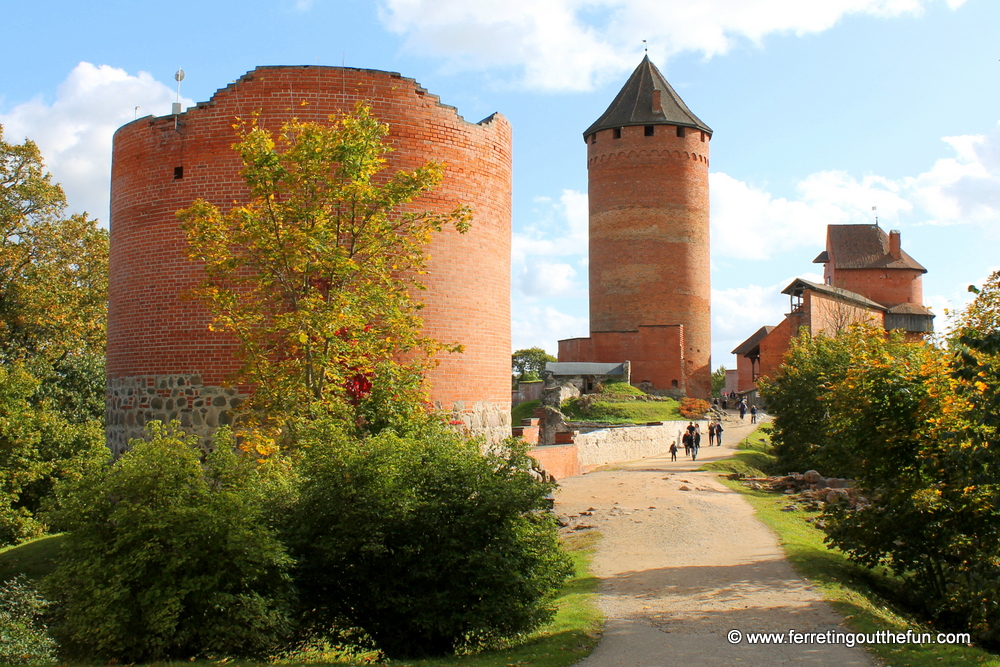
718, 380
53, 269
53, 307
529, 363
317, 276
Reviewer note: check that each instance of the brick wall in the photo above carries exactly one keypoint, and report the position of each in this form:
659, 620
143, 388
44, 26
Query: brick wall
649, 238
656, 353
161, 165
885, 286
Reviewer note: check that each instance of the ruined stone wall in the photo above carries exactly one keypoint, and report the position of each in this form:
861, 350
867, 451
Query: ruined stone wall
161, 165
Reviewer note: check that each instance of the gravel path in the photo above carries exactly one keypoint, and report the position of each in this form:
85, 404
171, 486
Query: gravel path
683, 561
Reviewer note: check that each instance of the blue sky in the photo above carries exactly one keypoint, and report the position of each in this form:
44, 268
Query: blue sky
821, 109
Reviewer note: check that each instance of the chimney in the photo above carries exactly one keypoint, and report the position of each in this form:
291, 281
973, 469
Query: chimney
657, 108
894, 249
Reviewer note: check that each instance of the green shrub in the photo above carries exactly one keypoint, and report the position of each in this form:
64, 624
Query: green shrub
169, 557
24, 639
424, 542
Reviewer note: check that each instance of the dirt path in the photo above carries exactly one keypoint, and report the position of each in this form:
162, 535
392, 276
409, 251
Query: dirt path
683, 561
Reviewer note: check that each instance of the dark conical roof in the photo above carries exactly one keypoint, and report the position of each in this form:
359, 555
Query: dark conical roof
634, 103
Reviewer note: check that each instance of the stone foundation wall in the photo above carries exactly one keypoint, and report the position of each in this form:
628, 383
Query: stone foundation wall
628, 443
135, 401
482, 418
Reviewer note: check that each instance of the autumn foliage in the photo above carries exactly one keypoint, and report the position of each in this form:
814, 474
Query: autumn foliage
917, 426
318, 275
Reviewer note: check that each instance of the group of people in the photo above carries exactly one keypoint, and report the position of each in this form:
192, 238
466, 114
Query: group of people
691, 440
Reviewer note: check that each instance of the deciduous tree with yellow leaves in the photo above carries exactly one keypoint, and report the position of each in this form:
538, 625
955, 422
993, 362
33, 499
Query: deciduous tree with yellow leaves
317, 275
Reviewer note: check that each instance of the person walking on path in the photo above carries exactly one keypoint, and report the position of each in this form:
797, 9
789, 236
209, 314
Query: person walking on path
718, 433
673, 451
743, 409
753, 414
695, 443
711, 433
686, 439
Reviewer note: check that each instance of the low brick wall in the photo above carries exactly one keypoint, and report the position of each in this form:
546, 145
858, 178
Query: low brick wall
558, 460
627, 443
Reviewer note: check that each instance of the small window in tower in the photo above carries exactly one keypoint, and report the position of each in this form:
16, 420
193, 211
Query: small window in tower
616, 133
593, 138
680, 131
673, 383
703, 136
649, 130
178, 172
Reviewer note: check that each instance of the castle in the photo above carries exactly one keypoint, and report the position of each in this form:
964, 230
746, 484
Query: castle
649, 263
650, 288
867, 277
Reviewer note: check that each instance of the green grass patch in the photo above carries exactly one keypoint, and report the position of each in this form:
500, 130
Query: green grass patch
523, 411
753, 459
623, 412
34, 559
620, 389
862, 596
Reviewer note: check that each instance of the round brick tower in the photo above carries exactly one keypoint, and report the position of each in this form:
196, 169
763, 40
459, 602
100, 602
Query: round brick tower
164, 363
647, 158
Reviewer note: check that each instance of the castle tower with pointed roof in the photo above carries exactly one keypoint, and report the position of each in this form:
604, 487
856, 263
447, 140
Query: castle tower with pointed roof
647, 157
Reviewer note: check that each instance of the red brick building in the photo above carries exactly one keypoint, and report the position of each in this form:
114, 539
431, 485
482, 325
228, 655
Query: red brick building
868, 277
650, 290
164, 363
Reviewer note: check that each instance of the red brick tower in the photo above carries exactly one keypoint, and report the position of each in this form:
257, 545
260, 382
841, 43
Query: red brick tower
164, 363
649, 237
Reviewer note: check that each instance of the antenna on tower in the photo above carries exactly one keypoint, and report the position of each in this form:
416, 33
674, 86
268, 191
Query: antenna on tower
178, 77
645, 47
875, 208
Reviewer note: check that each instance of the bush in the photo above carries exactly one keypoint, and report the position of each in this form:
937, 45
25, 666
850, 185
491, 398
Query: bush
693, 408
24, 639
424, 542
169, 557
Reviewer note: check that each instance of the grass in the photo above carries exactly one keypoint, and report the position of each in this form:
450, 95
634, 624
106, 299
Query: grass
34, 559
523, 411
860, 595
753, 458
567, 639
623, 412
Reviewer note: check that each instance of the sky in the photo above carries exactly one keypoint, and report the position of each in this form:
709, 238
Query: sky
821, 110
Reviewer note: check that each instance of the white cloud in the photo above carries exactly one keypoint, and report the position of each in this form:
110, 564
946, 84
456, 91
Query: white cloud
74, 132
964, 188
559, 232
750, 223
544, 327
573, 44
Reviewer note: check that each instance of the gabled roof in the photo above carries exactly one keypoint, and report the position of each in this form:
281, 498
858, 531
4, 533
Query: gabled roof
634, 103
799, 285
753, 342
863, 247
